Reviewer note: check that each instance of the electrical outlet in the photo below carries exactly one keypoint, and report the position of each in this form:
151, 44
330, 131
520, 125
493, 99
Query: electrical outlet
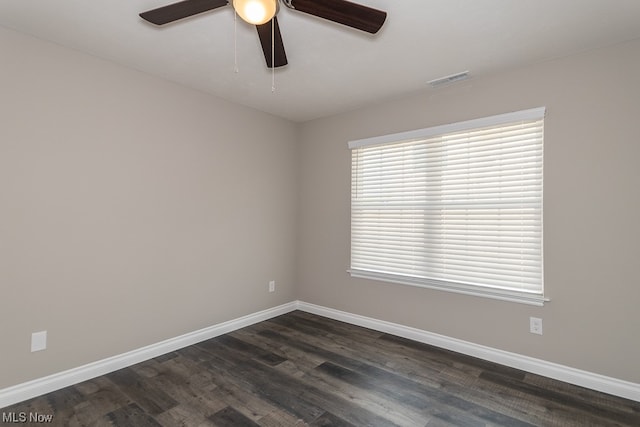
535, 325
38, 341
272, 286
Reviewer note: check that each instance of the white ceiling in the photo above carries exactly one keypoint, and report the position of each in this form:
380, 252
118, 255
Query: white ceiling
331, 68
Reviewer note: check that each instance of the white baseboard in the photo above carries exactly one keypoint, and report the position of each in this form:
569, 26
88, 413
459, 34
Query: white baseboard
567, 374
40, 386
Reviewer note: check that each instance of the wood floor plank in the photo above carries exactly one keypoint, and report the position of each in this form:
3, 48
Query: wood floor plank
289, 392
132, 415
181, 415
229, 417
280, 418
398, 387
245, 401
328, 419
101, 401
197, 400
226, 387
152, 399
371, 399
300, 369
402, 390
369, 350
220, 385
615, 403
570, 403
302, 361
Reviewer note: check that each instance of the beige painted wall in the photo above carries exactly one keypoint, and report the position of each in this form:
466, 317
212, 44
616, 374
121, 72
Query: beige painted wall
591, 209
132, 210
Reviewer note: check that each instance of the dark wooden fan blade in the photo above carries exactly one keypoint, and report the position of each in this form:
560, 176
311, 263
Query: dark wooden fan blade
264, 32
182, 9
343, 12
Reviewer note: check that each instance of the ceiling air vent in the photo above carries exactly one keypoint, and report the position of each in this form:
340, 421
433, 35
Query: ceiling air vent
449, 79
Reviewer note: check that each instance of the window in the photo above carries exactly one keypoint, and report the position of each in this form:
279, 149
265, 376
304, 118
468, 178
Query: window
455, 207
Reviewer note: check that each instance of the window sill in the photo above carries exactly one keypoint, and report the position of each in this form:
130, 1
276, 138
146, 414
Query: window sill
459, 288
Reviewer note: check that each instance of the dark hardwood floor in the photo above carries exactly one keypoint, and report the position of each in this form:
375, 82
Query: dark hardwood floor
300, 369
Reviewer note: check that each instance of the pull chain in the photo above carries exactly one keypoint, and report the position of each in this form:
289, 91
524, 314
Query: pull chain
273, 63
235, 41
273, 48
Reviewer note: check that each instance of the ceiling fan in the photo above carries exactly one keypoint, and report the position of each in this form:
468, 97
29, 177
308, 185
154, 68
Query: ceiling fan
262, 14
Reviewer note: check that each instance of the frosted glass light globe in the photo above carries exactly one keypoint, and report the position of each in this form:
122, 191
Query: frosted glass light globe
256, 12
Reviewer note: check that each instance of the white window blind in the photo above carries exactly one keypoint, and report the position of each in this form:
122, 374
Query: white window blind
455, 207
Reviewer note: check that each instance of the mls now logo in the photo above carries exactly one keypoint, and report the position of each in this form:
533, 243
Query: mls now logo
23, 417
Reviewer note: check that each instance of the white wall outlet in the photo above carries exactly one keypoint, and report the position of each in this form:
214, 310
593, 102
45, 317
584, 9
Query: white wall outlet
38, 341
535, 325
272, 286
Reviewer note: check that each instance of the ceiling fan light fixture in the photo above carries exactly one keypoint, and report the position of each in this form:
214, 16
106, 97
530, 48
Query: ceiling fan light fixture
256, 12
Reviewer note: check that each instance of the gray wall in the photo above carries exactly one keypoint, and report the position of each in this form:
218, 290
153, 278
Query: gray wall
132, 210
591, 204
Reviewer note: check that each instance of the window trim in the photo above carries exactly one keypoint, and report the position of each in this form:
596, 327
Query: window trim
531, 114
458, 288
537, 299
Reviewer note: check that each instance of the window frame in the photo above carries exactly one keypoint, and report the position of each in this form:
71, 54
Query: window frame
526, 297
